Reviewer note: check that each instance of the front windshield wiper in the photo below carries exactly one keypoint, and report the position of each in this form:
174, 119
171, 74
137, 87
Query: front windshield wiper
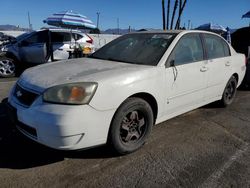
109, 59
113, 59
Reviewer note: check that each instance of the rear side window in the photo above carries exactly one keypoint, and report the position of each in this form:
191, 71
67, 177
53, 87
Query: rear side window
187, 50
226, 48
216, 47
77, 36
60, 37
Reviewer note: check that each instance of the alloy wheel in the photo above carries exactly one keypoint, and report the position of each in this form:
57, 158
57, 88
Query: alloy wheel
7, 67
132, 127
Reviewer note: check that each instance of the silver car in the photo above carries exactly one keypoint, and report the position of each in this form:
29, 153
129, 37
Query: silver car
40, 47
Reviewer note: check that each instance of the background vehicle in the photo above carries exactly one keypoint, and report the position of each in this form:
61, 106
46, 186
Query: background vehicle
5, 39
241, 43
117, 94
41, 47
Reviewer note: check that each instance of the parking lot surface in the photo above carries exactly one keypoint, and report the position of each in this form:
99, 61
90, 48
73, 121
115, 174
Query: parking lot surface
208, 147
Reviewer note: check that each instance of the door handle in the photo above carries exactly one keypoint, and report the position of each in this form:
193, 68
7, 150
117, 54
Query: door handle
228, 63
60, 49
203, 69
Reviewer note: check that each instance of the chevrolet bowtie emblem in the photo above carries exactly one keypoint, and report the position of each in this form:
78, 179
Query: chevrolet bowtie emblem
19, 94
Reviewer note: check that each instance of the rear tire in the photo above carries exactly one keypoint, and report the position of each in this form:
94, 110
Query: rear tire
7, 67
229, 92
131, 126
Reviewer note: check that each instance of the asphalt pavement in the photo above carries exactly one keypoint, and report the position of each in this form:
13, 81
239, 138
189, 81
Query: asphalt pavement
207, 147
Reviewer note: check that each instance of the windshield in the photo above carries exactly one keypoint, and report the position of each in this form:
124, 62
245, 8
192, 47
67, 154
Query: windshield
139, 48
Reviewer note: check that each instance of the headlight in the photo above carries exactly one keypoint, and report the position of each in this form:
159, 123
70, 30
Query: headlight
73, 93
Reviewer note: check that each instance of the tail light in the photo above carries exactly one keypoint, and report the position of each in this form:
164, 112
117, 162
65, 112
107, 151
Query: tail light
90, 40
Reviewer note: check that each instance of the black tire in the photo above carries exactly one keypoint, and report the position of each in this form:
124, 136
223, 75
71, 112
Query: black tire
229, 92
7, 67
131, 125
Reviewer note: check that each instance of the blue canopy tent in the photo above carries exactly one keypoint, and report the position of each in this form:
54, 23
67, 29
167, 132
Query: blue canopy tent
70, 19
212, 27
247, 15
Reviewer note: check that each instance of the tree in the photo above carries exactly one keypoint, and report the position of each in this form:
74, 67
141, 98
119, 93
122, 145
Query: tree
177, 26
174, 12
178, 3
163, 15
168, 12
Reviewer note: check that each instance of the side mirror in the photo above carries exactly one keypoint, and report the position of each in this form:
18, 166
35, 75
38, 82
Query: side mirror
172, 63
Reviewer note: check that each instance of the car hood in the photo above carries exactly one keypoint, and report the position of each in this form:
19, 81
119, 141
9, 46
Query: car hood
42, 77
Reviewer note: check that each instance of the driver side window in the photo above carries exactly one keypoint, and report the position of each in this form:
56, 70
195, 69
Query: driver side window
39, 37
187, 50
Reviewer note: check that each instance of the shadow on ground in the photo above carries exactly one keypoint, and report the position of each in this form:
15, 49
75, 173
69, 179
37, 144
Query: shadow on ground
19, 152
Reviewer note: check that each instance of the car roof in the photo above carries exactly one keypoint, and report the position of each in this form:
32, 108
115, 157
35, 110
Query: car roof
176, 32
161, 31
62, 30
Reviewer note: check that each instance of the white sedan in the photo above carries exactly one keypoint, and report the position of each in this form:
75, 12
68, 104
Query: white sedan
117, 94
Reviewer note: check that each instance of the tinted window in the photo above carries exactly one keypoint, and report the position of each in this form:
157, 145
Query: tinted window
24, 35
141, 48
214, 46
60, 37
226, 48
187, 50
38, 37
77, 36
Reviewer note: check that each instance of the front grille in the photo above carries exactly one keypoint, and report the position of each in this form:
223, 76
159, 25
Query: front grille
24, 96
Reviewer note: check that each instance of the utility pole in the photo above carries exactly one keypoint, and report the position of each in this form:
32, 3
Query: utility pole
30, 25
118, 26
163, 16
98, 15
189, 21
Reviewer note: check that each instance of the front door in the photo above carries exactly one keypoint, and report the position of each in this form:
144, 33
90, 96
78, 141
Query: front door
185, 75
34, 49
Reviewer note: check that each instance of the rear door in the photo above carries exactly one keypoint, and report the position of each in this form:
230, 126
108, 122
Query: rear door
185, 77
61, 42
218, 65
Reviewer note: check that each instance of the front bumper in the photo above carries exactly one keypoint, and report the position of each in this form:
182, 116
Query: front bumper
64, 127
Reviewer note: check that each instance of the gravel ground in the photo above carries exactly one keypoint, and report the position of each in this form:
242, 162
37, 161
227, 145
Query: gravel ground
208, 147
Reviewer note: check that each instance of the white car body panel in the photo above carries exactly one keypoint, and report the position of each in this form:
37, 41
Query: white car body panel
70, 127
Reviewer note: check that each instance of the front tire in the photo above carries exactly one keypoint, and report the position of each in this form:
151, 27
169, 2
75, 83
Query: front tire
7, 67
229, 92
131, 126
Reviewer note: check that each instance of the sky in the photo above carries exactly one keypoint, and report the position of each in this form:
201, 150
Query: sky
137, 14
